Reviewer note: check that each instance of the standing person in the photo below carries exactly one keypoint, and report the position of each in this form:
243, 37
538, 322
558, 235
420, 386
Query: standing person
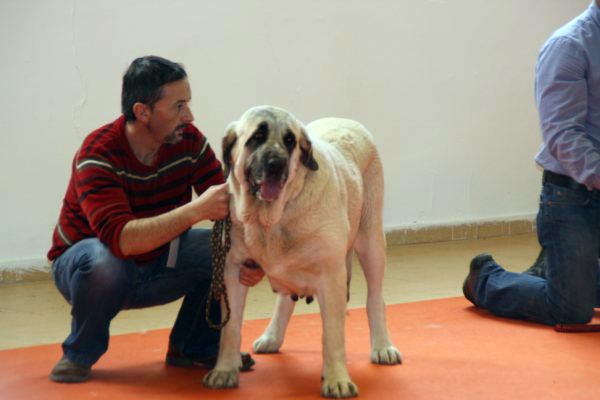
567, 91
123, 239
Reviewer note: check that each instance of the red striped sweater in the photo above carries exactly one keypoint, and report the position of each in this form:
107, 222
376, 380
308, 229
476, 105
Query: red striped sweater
110, 187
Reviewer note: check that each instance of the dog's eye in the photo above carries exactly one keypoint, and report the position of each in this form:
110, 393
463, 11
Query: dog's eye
260, 136
261, 132
289, 140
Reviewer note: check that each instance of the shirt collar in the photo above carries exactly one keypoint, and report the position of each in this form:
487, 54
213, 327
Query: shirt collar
595, 11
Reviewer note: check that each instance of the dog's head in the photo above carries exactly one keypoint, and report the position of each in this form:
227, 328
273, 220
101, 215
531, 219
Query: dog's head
263, 150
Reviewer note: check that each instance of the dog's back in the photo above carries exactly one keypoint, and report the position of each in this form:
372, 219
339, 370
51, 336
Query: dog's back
351, 138
358, 166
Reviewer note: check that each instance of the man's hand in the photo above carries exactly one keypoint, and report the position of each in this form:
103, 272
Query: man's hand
213, 204
251, 276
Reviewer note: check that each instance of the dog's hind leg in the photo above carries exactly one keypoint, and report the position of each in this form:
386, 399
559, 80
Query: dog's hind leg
272, 338
370, 249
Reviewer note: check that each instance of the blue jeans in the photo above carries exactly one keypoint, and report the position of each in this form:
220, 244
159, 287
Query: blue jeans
98, 285
568, 227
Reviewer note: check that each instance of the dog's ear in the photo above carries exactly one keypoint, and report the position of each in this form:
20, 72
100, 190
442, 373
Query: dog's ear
306, 156
228, 141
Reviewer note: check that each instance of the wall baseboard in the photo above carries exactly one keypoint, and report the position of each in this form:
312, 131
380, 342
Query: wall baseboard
37, 269
16, 274
460, 231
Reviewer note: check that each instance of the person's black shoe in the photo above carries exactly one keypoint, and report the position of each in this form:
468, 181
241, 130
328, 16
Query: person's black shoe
471, 279
539, 266
176, 359
66, 371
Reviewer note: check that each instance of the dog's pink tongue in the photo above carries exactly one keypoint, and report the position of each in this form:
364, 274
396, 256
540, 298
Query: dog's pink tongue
270, 190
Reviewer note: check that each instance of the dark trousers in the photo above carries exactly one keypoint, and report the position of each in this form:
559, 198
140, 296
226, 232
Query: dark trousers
568, 227
98, 285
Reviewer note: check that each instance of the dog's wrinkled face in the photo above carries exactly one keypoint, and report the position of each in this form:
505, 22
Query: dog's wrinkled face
263, 149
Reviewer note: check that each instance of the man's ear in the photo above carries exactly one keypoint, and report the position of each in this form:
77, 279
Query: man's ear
228, 141
142, 112
306, 156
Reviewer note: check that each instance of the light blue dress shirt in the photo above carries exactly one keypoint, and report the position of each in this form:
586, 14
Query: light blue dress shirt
567, 92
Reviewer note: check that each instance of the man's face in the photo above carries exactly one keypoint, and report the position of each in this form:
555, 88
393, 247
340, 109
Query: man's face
171, 113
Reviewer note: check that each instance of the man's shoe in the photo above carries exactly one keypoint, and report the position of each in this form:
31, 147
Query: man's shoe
469, 285
176, 359
66, 371
539, 266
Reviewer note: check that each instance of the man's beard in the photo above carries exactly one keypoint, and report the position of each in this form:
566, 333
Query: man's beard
176, 136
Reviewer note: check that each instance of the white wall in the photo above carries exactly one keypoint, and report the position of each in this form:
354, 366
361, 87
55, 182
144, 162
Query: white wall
445, 86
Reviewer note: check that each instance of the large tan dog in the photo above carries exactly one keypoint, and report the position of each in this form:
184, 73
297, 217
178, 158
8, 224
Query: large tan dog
303, 200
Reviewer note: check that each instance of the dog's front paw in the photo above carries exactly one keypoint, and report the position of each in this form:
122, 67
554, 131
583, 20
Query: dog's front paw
339, 389
386, 355
266, 344
221, 379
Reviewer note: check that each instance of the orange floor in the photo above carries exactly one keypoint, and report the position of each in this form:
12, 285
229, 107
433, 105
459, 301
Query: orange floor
451, 351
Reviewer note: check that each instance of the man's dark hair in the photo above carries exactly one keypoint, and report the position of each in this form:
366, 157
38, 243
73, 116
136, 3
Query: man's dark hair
143, 81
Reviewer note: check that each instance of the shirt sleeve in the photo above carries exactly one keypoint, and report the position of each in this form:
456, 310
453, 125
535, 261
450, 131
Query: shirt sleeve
103, 200
561, 94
